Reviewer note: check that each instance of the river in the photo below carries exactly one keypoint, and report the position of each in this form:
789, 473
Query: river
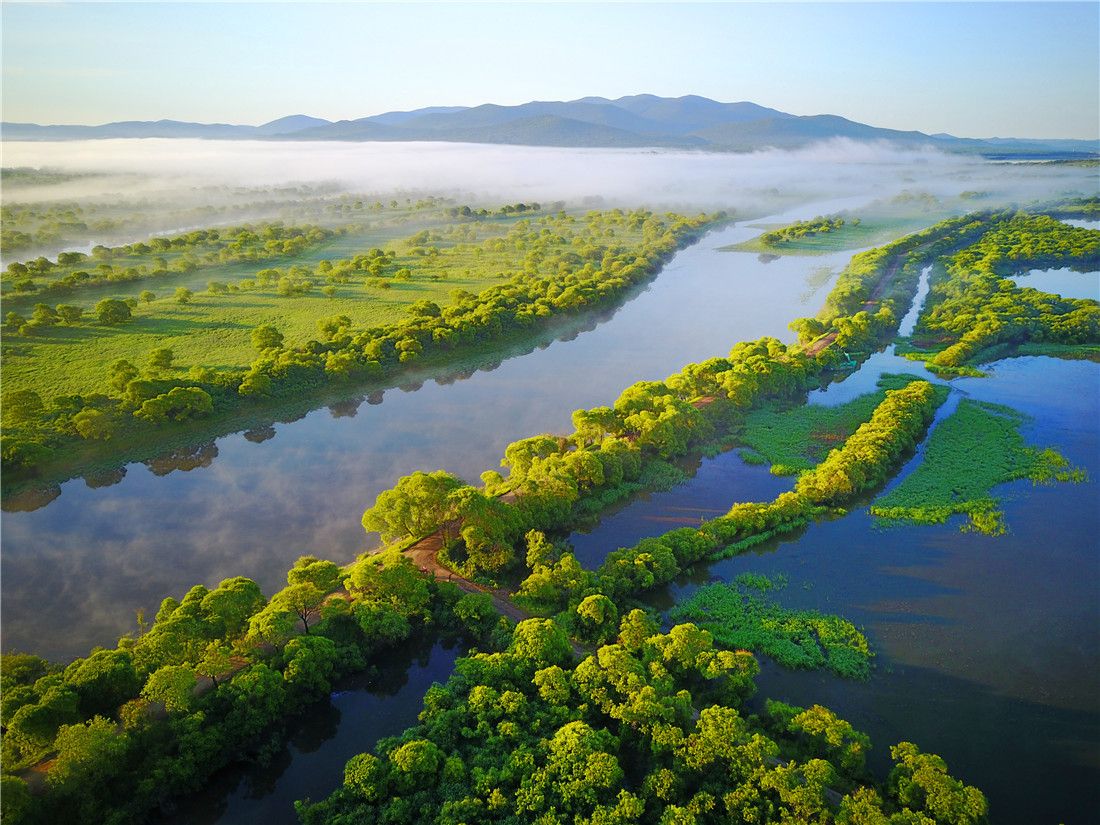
76, 570
986, 648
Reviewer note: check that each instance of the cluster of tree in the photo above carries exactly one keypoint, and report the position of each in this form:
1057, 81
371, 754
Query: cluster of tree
805, 229
887, 276
209, 682
613, 451
563, 271
1085, 208
863, 462
26, 226
556, 480
163, 256
647, 729
975, 307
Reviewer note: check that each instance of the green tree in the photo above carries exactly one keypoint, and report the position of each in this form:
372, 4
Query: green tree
417, 506
69, 314
232, 603
265, 337
161, 359
920, 782
87, 755
112, 311
303, 600
147, 296
172, 685
326, 576
178, 404
121, 373
44, 315
216, 661
597, 619
21, 406
183, 295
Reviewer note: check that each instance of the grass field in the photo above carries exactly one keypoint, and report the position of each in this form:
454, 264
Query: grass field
740, 616
869, 231
213, 330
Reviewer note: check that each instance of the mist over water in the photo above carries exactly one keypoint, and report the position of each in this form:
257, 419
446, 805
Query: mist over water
628, 177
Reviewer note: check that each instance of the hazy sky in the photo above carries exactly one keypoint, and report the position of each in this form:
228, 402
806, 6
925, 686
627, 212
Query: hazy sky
971, 69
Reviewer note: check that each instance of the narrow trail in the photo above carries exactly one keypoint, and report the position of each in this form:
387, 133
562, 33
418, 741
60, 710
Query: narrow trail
872, 301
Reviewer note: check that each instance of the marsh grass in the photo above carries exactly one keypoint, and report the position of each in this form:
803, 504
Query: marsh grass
976, 448
741, 615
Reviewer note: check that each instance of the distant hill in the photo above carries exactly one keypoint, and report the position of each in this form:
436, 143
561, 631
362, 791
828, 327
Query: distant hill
689, 122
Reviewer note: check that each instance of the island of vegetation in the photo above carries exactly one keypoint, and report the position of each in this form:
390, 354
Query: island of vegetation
976, 448
740, 616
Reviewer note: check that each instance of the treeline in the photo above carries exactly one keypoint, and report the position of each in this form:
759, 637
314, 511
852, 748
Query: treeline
805, 229
864, 462
1084, 208
210, 681
647, 729
974, 306
552, 282
555, 481
164, 255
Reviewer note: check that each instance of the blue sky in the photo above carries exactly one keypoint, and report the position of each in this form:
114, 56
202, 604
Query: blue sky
971, 69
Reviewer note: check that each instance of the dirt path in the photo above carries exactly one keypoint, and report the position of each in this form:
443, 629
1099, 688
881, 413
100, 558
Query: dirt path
883, 282
425, 555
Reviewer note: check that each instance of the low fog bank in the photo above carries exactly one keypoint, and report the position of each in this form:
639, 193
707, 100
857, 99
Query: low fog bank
750, 183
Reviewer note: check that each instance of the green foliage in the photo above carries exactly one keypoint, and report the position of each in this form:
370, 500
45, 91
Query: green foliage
560, 264
178, 404
976, 448
802, 229
921, 783
802, 639
976, 308
867, 458
112, 311
417, 506
173, 686
646, 732
798, 439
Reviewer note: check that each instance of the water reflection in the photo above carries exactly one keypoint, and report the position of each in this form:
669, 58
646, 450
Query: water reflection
1065, 282
75, 571
362, 710
105, 478
183, 459
988, 647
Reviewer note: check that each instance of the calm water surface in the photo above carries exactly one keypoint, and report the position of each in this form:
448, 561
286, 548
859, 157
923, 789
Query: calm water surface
75, 570
988, 647
360, 712
1064, 282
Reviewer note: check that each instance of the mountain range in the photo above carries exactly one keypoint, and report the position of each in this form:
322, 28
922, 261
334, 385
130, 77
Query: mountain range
689, 122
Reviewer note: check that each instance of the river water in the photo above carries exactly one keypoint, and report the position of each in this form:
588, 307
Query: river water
987, 648
76, 570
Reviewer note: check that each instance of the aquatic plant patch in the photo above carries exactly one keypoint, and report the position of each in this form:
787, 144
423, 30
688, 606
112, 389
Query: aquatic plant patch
741, 616
978, 447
